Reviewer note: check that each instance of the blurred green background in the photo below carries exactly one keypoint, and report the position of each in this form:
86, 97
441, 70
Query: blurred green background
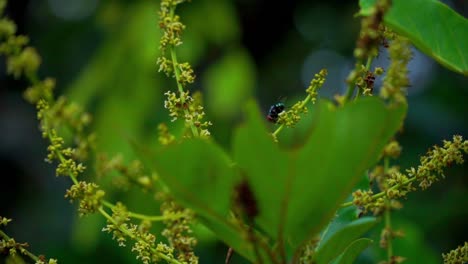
103, 55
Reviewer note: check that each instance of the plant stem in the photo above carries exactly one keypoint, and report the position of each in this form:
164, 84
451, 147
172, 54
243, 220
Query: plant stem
388, 226
352, 83
132, 236
388, 223
21, 248
304, 102
152, 218
177, 77
61, 157
383, 193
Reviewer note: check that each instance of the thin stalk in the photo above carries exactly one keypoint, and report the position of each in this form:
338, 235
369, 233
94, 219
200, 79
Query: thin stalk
383, 193
152, 218
22, 249
304, 102
132, 236
179, 85
61, 158
388, 223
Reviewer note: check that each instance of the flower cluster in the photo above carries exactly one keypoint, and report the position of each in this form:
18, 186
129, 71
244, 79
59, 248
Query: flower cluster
190, 109
181, 104
119, 222
145, 243
131, 174
171, 38
177, 230
89, 195
315, 84
395, 184
164, 136
292, 116
438, 158
59, 117
458, 255
396, 80
10, 247
43, 260
369, 37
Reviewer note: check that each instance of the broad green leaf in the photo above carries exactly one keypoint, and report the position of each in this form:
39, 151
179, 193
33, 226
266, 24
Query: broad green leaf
352, 252
265, 167
431, 26
343, 217
298, 190
335, 244
343, 143
201, 177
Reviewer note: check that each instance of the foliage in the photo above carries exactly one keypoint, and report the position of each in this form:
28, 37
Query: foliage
265, 199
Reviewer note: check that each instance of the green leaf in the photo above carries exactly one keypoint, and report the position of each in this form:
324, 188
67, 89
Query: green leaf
199, 173
332, 247
431, 26
298, 190
353, 251
201, 177
344, 216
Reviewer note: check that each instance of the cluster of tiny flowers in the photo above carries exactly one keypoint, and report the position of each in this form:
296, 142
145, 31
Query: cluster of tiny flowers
164, 136
120, 219
188, 107
392, 149
42, 89
4, 221
388, 234
396, 79
196, 115
145, 245
172, 31
397, 185
316, 83
365, 79
56, 151
89, 195
21, 60
143, 248
187, 74
177, 105
292, 116
170, 23
366, 202
457, 256
369, 37
437, 158
308, 251
9, 246
44, 261
128, 175
178, 231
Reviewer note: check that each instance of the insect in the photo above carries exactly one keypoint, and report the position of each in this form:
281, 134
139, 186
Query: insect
370, 79
274, 112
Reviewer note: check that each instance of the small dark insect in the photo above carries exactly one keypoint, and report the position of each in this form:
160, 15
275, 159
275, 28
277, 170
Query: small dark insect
370, 79
274, 112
